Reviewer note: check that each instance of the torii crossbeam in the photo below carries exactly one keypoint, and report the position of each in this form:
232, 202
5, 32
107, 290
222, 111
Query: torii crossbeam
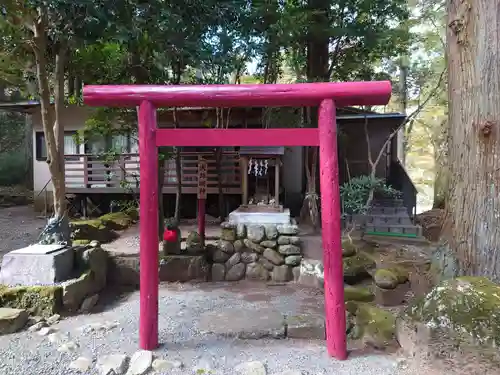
327, 96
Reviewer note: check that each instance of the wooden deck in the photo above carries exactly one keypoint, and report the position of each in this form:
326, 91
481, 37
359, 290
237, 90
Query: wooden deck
88, 174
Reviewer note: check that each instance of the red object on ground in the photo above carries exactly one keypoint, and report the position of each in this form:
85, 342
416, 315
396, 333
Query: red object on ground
170, 235
328, 96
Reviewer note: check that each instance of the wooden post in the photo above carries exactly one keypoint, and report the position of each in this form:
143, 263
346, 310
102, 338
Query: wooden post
202, 196
148, 225
277, 181
244, 179
331, 232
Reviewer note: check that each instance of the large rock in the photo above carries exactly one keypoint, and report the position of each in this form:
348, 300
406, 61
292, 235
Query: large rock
373, 325
235, 259
311, 273
348, 248
226, 246
37, 265
183, 268
293, 260
357, 267
236, 272
273, 257
12, 320
123, 269
220, 256
268, 243
42, 301
289, 240
460, 315
256, 271
93, 279
288, 229
253, 246
96, 260
91, 230
218, 272
289, 250
228, 232
385, 279
117, 220
194, 244
239, 246
256, 233
282, 273
248, 257
271, 232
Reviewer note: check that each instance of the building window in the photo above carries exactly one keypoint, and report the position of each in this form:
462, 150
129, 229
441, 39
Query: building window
123, 144
70, 146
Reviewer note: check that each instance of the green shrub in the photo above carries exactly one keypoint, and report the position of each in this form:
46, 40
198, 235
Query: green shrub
354, 193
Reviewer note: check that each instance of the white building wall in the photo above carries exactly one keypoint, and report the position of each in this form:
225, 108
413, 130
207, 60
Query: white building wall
73, 118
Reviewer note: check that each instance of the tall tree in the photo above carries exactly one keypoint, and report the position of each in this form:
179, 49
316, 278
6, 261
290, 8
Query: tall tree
473, 216
49, 30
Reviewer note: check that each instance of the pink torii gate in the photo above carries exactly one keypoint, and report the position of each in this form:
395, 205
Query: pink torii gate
325, 95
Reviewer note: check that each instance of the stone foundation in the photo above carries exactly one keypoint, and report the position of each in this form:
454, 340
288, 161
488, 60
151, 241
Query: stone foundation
256, 252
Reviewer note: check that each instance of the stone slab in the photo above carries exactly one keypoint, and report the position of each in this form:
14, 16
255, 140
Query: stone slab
244, 323
305, 326
38, 249
12, 320
239, 217
37, 269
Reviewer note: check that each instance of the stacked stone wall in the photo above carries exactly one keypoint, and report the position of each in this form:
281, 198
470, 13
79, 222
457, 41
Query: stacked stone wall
257, 252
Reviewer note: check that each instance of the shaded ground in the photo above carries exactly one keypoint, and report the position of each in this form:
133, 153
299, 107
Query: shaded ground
184, 310
19, 227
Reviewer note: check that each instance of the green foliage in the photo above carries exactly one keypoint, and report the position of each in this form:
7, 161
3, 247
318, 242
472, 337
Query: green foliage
13, 169
355, 193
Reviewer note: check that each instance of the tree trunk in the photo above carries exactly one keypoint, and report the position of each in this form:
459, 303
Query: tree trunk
473, 218
54, 135
317, 70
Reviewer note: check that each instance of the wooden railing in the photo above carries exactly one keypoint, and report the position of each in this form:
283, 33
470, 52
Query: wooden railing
91, 172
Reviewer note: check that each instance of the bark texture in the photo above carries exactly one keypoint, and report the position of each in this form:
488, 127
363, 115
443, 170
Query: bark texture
51, 121
472, 228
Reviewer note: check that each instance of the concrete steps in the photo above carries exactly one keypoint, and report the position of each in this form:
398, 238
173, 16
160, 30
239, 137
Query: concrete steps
388, 217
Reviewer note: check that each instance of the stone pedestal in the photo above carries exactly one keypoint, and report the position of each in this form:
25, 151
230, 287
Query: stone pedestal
37, 265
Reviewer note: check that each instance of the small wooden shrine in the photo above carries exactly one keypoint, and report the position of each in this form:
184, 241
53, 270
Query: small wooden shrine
261, 175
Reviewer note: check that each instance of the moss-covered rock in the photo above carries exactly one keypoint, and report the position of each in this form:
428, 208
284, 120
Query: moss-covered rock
90, 230
116, 220
386, 279
194, 244
80, 242
468, 308
348, 248
38, 300
356, 267
359, 294
372, 325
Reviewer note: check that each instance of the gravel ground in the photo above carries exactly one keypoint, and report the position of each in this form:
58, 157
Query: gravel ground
19, 227
181, 307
